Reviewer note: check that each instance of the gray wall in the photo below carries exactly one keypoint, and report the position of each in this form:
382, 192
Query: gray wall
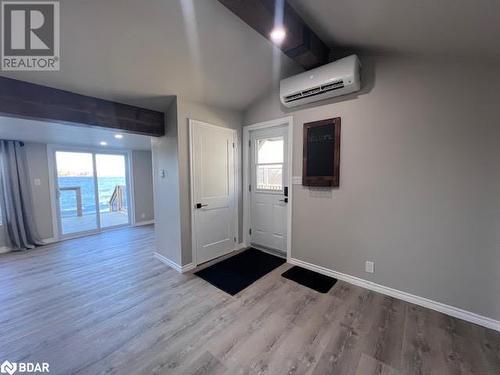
419, 185
166, 189
216, 116
143, 185
36, 154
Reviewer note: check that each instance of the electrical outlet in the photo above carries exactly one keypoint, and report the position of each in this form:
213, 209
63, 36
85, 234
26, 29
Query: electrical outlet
370, 267
143, 215
37, 182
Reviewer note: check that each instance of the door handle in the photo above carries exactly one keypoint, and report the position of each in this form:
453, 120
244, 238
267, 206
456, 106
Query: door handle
284, 200
199, 205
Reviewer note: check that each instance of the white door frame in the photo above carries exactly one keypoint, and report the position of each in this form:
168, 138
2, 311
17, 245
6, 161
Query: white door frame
54, 201
287, 121
236, 161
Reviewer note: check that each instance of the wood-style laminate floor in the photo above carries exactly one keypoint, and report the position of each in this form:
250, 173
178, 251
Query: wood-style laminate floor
104, 304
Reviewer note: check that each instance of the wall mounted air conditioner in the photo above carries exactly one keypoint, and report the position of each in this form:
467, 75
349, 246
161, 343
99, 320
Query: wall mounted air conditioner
340, 77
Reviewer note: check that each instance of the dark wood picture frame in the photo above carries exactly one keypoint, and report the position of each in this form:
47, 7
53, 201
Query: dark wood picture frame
330, 161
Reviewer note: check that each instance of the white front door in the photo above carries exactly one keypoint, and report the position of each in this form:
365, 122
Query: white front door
269, 194
213, 190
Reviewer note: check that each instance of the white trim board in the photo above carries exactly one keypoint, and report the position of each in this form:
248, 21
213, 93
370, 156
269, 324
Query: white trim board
172, 264
421, 301
141, 223
288, 121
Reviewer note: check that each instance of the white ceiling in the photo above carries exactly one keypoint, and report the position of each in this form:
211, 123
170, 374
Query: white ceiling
142, 52
450, 28
44, 132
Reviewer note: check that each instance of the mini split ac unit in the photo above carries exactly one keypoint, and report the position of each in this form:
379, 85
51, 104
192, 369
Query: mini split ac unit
338, 78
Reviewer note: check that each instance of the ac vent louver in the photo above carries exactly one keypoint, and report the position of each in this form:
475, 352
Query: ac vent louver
314, 91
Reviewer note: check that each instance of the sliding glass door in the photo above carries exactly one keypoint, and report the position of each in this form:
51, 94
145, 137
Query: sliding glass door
92, 191
112, 189
76, 193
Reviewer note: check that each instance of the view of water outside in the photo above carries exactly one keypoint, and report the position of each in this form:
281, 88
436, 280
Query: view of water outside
106, 185
76, 181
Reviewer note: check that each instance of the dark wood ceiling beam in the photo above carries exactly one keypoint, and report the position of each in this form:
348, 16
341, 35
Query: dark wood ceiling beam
37, 102
301, 43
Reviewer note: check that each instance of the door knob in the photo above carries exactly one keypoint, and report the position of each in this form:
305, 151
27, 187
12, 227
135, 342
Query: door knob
199, 205
284, 200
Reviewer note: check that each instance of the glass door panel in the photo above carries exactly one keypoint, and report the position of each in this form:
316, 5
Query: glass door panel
112, 189
76, 192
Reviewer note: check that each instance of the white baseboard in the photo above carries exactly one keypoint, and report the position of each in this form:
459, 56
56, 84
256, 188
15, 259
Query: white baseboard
47, 241
172, 264
430, 304
241, 246
269, 251
4, 249
140, 223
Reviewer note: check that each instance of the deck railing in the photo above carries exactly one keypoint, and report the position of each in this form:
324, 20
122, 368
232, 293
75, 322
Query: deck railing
117, 200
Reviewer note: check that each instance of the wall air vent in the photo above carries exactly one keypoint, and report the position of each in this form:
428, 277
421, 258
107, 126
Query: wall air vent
337, 78
314, 91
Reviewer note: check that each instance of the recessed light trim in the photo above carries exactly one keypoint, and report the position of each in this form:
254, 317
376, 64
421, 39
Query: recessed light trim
278, 35
102, 143
118, 136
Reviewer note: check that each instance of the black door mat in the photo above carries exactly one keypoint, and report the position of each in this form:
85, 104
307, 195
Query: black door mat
234, 274
310, 279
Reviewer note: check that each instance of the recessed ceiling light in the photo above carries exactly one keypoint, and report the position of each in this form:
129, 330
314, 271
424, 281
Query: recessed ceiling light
118, 136
278, 35
102, 143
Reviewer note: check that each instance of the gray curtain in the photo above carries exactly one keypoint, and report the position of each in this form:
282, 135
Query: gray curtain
15, 197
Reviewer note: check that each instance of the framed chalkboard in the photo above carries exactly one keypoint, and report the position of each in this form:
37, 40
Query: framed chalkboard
321, 161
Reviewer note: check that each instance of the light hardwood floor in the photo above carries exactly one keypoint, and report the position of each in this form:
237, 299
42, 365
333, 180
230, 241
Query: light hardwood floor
104, 304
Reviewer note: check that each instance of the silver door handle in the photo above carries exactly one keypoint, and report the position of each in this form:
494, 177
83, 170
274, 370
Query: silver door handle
284, 200
199, 205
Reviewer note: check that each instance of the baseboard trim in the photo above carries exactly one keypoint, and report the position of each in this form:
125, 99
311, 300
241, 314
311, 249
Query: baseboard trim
421, 301
172, 264
141, 223
269, 251
4, 249
47, 241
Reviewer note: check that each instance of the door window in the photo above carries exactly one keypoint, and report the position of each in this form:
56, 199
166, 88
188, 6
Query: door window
269, 163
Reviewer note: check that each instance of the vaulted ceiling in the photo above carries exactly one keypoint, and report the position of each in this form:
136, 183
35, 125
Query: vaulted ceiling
430, 28
142, 52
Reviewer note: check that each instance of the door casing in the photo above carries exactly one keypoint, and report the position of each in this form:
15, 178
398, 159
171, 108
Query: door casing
285, 121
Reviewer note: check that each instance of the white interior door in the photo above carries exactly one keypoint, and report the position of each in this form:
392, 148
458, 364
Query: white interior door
213, 190
269, 194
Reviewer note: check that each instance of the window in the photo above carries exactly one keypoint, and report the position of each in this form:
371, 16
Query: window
269, 164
